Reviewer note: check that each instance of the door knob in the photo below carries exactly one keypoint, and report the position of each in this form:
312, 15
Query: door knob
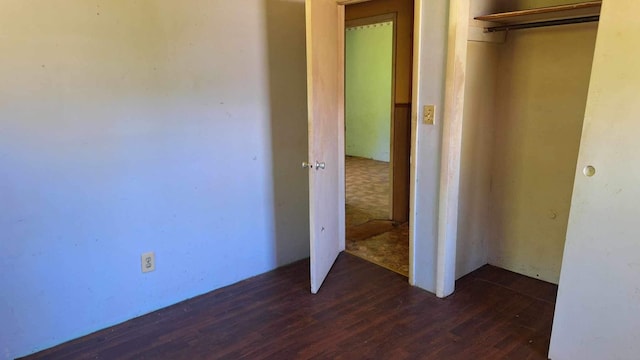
306, 165
320, 165
589, 171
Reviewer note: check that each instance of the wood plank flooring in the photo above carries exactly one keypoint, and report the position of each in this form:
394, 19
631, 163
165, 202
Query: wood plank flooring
362, 312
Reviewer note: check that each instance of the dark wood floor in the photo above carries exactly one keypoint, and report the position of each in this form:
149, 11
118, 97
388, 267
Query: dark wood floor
362, 312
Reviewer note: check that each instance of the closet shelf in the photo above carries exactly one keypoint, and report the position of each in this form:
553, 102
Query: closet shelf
546, 16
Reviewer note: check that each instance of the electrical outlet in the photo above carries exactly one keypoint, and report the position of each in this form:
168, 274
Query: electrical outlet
429, 114
148, 262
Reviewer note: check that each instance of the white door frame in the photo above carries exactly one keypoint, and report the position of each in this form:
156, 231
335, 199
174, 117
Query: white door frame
452, 146
445, 202
414, 99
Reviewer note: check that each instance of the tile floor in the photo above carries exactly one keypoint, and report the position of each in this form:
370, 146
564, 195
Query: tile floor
370, 233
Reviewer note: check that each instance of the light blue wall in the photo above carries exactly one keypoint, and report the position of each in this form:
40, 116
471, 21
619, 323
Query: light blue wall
368, 76
128, 127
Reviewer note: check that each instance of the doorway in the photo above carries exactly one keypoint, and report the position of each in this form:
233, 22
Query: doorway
421, 83
378, 131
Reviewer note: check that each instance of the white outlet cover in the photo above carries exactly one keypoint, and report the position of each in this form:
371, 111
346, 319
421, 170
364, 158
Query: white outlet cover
148, 262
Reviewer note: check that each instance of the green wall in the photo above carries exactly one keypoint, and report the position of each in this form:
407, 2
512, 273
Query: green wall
368, 90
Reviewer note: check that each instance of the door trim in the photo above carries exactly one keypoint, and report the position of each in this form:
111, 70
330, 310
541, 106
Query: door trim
415, 113
341, 129
455, 75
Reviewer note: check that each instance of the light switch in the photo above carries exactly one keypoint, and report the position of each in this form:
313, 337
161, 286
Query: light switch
429, 114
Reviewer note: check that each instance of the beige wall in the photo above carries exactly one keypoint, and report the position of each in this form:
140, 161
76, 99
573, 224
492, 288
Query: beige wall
530, 4
512, 5
477, 143
542, 85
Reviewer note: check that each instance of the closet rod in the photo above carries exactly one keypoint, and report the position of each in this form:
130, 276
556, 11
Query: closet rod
538, 24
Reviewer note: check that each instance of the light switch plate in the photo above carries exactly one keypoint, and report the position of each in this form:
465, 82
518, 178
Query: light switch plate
429, 114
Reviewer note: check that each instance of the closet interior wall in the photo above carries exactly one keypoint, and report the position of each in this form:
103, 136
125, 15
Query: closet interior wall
525, 98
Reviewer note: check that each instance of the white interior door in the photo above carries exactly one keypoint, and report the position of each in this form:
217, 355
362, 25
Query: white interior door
325, 92
597, 312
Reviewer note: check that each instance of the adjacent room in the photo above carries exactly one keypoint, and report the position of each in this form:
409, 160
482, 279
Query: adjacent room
377, 131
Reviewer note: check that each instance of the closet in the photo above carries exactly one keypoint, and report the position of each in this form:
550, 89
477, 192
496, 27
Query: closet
527, 77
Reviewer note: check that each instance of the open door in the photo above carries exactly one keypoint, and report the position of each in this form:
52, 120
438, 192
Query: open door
325, 101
